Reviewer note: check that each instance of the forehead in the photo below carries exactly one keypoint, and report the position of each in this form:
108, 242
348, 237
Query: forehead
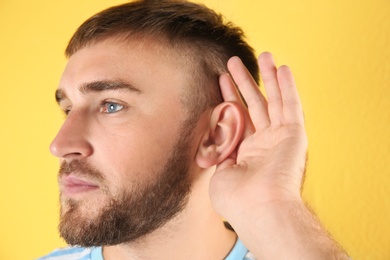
147, 64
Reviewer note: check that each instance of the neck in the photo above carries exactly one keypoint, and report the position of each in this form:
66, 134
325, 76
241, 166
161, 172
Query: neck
197, 232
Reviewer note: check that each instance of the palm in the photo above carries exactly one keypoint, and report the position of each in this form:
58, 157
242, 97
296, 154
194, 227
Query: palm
269, 162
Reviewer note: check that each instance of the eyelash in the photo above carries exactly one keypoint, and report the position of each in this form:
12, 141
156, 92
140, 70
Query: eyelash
66, 111
103, 107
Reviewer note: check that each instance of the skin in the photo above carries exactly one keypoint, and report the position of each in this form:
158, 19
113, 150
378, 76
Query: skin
259, 154
90, 132
257, 189
128, 146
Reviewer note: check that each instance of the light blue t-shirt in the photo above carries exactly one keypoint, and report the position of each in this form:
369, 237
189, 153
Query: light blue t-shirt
239, 252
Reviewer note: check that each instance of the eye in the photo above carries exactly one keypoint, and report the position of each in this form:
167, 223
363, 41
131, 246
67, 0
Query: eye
111, 107
66, 110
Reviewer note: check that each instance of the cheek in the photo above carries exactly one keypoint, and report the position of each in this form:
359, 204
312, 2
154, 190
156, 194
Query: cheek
132, 159
134, 150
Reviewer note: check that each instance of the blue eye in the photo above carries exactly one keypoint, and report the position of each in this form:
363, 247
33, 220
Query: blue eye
111, 107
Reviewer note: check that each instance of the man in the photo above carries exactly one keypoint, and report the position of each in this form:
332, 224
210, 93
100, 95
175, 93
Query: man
158, 146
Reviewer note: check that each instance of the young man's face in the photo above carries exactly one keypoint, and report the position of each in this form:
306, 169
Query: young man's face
124, 150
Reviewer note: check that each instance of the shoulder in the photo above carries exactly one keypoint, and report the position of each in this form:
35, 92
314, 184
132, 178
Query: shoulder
74, 253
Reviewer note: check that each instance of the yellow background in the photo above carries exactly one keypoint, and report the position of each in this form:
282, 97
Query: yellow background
338, 50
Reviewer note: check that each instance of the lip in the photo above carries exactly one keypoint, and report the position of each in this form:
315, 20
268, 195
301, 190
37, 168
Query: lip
72, 185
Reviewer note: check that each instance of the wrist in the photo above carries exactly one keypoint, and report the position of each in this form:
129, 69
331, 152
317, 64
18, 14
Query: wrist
285, 230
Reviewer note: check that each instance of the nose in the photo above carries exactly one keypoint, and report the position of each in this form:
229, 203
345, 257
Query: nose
71, 142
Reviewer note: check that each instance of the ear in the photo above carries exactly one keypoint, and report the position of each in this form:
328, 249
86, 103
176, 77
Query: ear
221, 138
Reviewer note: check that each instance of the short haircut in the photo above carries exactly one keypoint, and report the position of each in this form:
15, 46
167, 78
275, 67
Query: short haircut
203, 39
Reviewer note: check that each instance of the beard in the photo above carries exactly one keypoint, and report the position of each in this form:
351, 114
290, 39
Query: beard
135, 212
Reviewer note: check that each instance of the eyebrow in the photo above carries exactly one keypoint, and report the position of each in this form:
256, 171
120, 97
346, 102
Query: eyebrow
98, 86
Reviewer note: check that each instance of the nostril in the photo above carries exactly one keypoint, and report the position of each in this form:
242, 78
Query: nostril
71, 140
71, 148
68, 145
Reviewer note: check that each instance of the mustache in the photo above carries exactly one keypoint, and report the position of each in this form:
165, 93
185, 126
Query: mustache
80, 168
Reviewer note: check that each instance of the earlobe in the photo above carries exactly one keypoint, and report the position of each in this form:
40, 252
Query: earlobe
222, 136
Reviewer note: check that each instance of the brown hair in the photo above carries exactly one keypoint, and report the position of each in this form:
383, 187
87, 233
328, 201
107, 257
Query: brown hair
205, 42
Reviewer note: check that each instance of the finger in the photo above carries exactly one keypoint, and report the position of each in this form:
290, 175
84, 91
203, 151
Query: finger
257, 104
230, 93
228, 89
268, 73
292, 108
